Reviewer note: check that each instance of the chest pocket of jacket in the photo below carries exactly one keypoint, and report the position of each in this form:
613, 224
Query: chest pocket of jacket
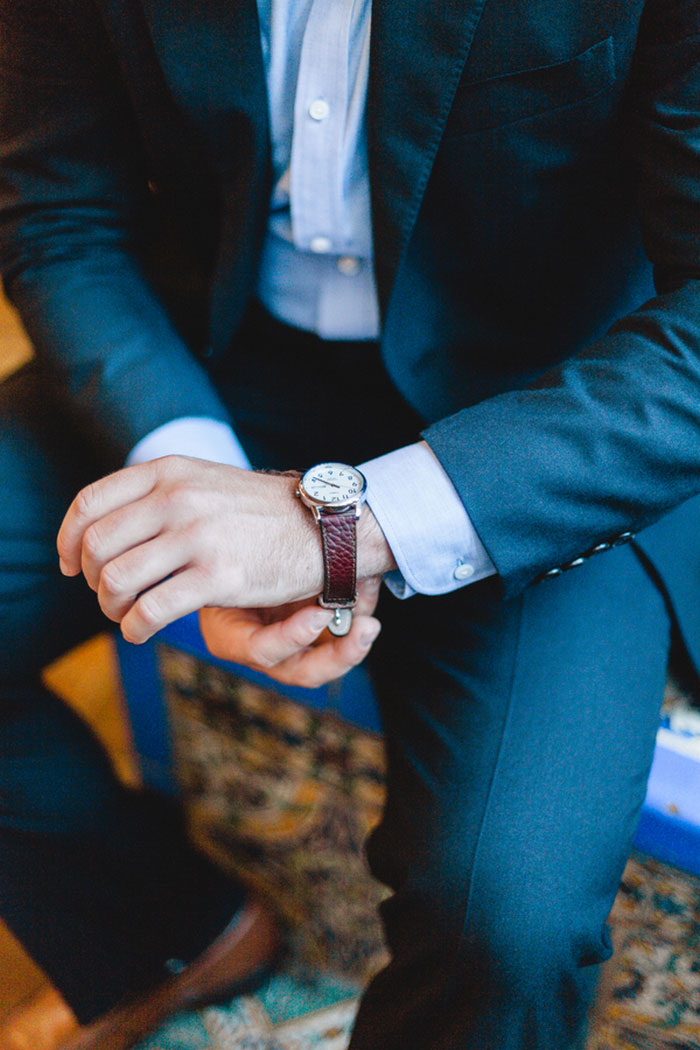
511, 97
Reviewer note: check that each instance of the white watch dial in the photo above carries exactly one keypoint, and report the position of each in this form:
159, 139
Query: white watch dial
334, 483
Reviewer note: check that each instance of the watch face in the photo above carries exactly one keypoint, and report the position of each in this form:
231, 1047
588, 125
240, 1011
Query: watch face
328, 484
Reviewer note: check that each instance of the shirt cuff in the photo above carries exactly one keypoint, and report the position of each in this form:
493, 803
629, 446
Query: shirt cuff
425, 523
196, 436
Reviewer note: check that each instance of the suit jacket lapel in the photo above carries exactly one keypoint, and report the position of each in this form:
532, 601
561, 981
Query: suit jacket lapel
418, 50
211, 57
212, 62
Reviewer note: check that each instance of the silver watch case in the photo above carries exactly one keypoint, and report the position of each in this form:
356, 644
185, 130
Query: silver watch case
319, 506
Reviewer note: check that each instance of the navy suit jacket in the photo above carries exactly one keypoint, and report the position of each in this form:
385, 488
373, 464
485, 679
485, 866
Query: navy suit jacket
535, 175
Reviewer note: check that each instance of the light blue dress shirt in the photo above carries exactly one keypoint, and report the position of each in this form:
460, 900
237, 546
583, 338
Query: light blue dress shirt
317, 274
316, 268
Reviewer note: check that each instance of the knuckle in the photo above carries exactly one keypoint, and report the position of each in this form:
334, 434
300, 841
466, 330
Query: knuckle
300, 637
112, 578
86, 500
92, 540
205, 581
199, 535
170, 464
115, 615
209, 564
214, 640
311, 679
210, 639
262, 661
202, 571
149, 609
178, 498
165, 468
216, 647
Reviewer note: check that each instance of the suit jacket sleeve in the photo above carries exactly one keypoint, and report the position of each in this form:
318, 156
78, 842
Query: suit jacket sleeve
610, 440
73, 200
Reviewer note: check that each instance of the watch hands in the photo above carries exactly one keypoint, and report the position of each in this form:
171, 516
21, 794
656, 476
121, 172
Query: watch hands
322, 481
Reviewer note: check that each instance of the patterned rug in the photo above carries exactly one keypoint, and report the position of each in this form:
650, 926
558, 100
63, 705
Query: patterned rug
284, 796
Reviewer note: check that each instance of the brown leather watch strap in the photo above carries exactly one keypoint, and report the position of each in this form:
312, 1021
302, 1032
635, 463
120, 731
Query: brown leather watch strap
339, 541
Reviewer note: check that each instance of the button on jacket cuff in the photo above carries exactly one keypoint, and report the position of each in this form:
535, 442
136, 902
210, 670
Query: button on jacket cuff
195, 436
425, 523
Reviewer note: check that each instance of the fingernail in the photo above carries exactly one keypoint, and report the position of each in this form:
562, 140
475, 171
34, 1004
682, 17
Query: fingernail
63, 566
369, 635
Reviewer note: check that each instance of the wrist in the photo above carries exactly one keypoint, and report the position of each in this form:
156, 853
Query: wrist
309, 536
374, 556
299, 541
353, 545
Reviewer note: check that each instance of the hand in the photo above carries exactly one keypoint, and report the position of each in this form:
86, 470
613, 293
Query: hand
165, 538
290, 643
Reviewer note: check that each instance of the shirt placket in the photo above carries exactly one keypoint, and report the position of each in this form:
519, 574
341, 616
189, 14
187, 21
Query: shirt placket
320, 106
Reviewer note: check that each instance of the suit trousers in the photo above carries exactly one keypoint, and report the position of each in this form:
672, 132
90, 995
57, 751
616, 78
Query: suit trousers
519, 737
99, 883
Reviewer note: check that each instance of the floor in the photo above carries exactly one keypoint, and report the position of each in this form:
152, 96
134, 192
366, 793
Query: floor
14, 345
88, 680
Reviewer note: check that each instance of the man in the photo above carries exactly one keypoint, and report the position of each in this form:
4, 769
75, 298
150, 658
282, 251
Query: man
431, 255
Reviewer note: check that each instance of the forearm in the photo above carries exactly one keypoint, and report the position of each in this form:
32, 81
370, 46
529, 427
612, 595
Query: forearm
607, 442
601, 446
123, 369
74, 205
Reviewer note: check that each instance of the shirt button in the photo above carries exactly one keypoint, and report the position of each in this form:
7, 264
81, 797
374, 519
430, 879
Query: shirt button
464, 571
319, 109
321, 245
348, 265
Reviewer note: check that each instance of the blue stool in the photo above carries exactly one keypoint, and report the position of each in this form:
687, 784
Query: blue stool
669, 828
351, 697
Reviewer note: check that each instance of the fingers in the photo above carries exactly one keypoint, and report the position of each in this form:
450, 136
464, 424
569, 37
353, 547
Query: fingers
330, 660
95, 502
123, 579
367, 595
235, 634
116, 534
155, 608
156, 541
285, 650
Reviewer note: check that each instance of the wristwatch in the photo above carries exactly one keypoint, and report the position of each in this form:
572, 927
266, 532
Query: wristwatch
334, 493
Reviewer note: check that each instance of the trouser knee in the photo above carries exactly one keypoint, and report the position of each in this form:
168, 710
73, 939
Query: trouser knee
54, 775
530, 950
43, 463
495, 925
